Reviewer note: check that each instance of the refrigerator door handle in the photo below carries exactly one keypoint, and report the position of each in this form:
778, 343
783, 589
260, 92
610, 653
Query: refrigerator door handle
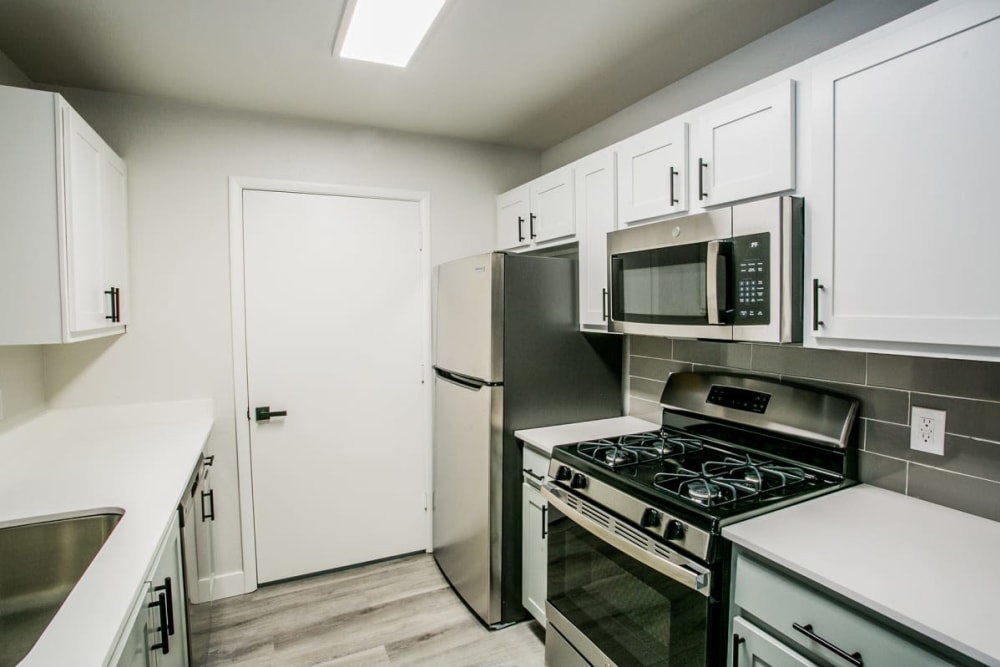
460, 380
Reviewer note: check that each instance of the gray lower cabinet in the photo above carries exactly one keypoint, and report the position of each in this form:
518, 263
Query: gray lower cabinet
780, 621
157, 634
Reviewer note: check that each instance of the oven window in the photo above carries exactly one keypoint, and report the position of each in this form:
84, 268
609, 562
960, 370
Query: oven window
661, 286
633, 614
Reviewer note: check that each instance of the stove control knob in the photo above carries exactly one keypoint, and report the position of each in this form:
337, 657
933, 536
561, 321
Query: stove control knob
675, 530
563, 473
578, 481
650, 518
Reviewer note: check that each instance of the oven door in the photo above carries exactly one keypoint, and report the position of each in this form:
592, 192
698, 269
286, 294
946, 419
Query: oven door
673, 278
615, 600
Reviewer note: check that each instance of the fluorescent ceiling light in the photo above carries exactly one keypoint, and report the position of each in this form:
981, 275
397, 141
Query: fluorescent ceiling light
386, 31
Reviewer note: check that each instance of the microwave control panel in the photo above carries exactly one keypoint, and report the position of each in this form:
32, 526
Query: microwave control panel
752, 264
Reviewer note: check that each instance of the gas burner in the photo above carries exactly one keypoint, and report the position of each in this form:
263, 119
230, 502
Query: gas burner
616, 454
702, 491
681, 445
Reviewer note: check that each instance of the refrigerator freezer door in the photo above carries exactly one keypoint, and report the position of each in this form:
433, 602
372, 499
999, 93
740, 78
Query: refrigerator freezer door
468, 322
467, 450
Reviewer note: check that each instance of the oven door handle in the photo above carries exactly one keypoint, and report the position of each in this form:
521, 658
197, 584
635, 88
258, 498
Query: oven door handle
682, 573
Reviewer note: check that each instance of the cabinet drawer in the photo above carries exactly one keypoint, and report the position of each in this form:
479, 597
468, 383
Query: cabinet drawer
535, 462
784, 604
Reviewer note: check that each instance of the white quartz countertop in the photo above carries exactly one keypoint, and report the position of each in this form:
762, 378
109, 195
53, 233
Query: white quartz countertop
928, 567
545, 438
80, 461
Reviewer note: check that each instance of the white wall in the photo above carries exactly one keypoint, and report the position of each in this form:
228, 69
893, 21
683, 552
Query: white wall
810, 35
21, 389
179, 159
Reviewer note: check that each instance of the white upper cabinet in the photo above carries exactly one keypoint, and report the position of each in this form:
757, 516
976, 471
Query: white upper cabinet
513, 210
652, 173
745, 148
63, 237
595, 217
537, 214
906, 166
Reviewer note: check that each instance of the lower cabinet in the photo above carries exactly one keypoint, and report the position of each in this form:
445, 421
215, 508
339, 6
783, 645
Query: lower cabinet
157, 635
795, 624
534, 536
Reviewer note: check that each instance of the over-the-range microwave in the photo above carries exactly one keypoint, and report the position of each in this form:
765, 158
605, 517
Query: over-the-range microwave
733, 273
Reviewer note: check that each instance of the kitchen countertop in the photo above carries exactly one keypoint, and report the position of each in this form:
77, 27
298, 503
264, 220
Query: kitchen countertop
79, 461
545, 438
928, 567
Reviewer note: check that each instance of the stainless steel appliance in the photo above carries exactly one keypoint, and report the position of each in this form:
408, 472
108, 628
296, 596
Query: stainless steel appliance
638, 573
507, 355
733, 273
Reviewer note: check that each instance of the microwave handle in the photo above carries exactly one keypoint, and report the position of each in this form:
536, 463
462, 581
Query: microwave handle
712, 280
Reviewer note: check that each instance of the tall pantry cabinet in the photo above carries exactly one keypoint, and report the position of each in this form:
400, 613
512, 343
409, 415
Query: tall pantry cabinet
63, 236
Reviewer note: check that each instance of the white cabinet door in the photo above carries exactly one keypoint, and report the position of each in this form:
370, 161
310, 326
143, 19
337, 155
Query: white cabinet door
906, 143
745, 148
169, 647
63, 238
754, 647
652, 173
537, 214
512, 219
595, 217
134, 648
534, 541
551, 198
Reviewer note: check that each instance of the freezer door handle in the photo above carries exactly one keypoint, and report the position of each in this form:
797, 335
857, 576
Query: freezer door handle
461, 380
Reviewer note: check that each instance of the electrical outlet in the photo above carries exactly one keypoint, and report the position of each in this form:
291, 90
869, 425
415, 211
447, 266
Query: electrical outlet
927, 430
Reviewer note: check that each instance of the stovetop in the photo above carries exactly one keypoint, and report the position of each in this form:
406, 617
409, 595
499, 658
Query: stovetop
677, 471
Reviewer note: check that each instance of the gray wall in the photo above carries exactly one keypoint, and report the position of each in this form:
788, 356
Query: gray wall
966, 477
21, 389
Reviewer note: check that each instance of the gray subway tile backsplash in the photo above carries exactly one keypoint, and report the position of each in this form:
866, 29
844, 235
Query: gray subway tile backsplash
966, 477
949, 377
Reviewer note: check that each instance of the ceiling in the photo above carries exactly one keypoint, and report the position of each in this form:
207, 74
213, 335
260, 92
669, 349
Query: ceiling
526, 73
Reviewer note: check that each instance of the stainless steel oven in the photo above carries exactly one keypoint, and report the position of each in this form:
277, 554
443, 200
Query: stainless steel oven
733, 273
613, 602
638, 571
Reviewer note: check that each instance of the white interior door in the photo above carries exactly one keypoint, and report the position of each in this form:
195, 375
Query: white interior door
335, 337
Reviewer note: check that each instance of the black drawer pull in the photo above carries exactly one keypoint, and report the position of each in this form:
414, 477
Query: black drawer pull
673, 200
164, 643
737, 640
701, 179
817, 286
208, 515
807, 630
520, 231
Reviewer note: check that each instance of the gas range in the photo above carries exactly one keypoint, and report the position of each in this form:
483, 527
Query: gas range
730, 447
638, 570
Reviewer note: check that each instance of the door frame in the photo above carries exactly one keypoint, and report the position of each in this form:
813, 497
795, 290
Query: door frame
241, 397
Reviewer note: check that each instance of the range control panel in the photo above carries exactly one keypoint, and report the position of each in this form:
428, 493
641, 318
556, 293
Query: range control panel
738, 399
752, 262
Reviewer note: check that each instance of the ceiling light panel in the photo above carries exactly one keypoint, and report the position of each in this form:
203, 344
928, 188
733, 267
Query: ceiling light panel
386, 31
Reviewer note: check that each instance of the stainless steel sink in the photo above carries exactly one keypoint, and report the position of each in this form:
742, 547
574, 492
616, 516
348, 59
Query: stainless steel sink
39, 565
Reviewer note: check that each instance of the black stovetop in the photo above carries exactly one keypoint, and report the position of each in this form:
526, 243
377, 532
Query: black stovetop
710, 482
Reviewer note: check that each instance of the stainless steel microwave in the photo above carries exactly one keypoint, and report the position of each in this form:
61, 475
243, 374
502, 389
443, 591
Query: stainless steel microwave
732, 273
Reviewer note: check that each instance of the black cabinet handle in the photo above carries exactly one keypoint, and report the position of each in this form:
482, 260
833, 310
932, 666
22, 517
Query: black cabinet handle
520, 229
115, 295
673, 200
817, 323
164, 643
169, 592
545, 521
701, 179
737, 640
210, 514
265, 413
531, 225
807, 630
604, 304
209, 460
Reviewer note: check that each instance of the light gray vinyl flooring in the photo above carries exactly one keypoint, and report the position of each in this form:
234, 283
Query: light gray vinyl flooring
398, 612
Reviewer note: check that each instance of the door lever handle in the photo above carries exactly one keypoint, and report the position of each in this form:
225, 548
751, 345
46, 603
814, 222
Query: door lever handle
264, 414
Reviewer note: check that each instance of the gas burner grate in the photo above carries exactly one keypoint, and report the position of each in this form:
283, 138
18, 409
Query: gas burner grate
634, 449
731, 479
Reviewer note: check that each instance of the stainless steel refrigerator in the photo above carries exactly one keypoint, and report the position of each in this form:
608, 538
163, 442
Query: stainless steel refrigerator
508, 355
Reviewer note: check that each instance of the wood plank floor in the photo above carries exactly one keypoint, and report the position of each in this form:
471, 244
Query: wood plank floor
398, 612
